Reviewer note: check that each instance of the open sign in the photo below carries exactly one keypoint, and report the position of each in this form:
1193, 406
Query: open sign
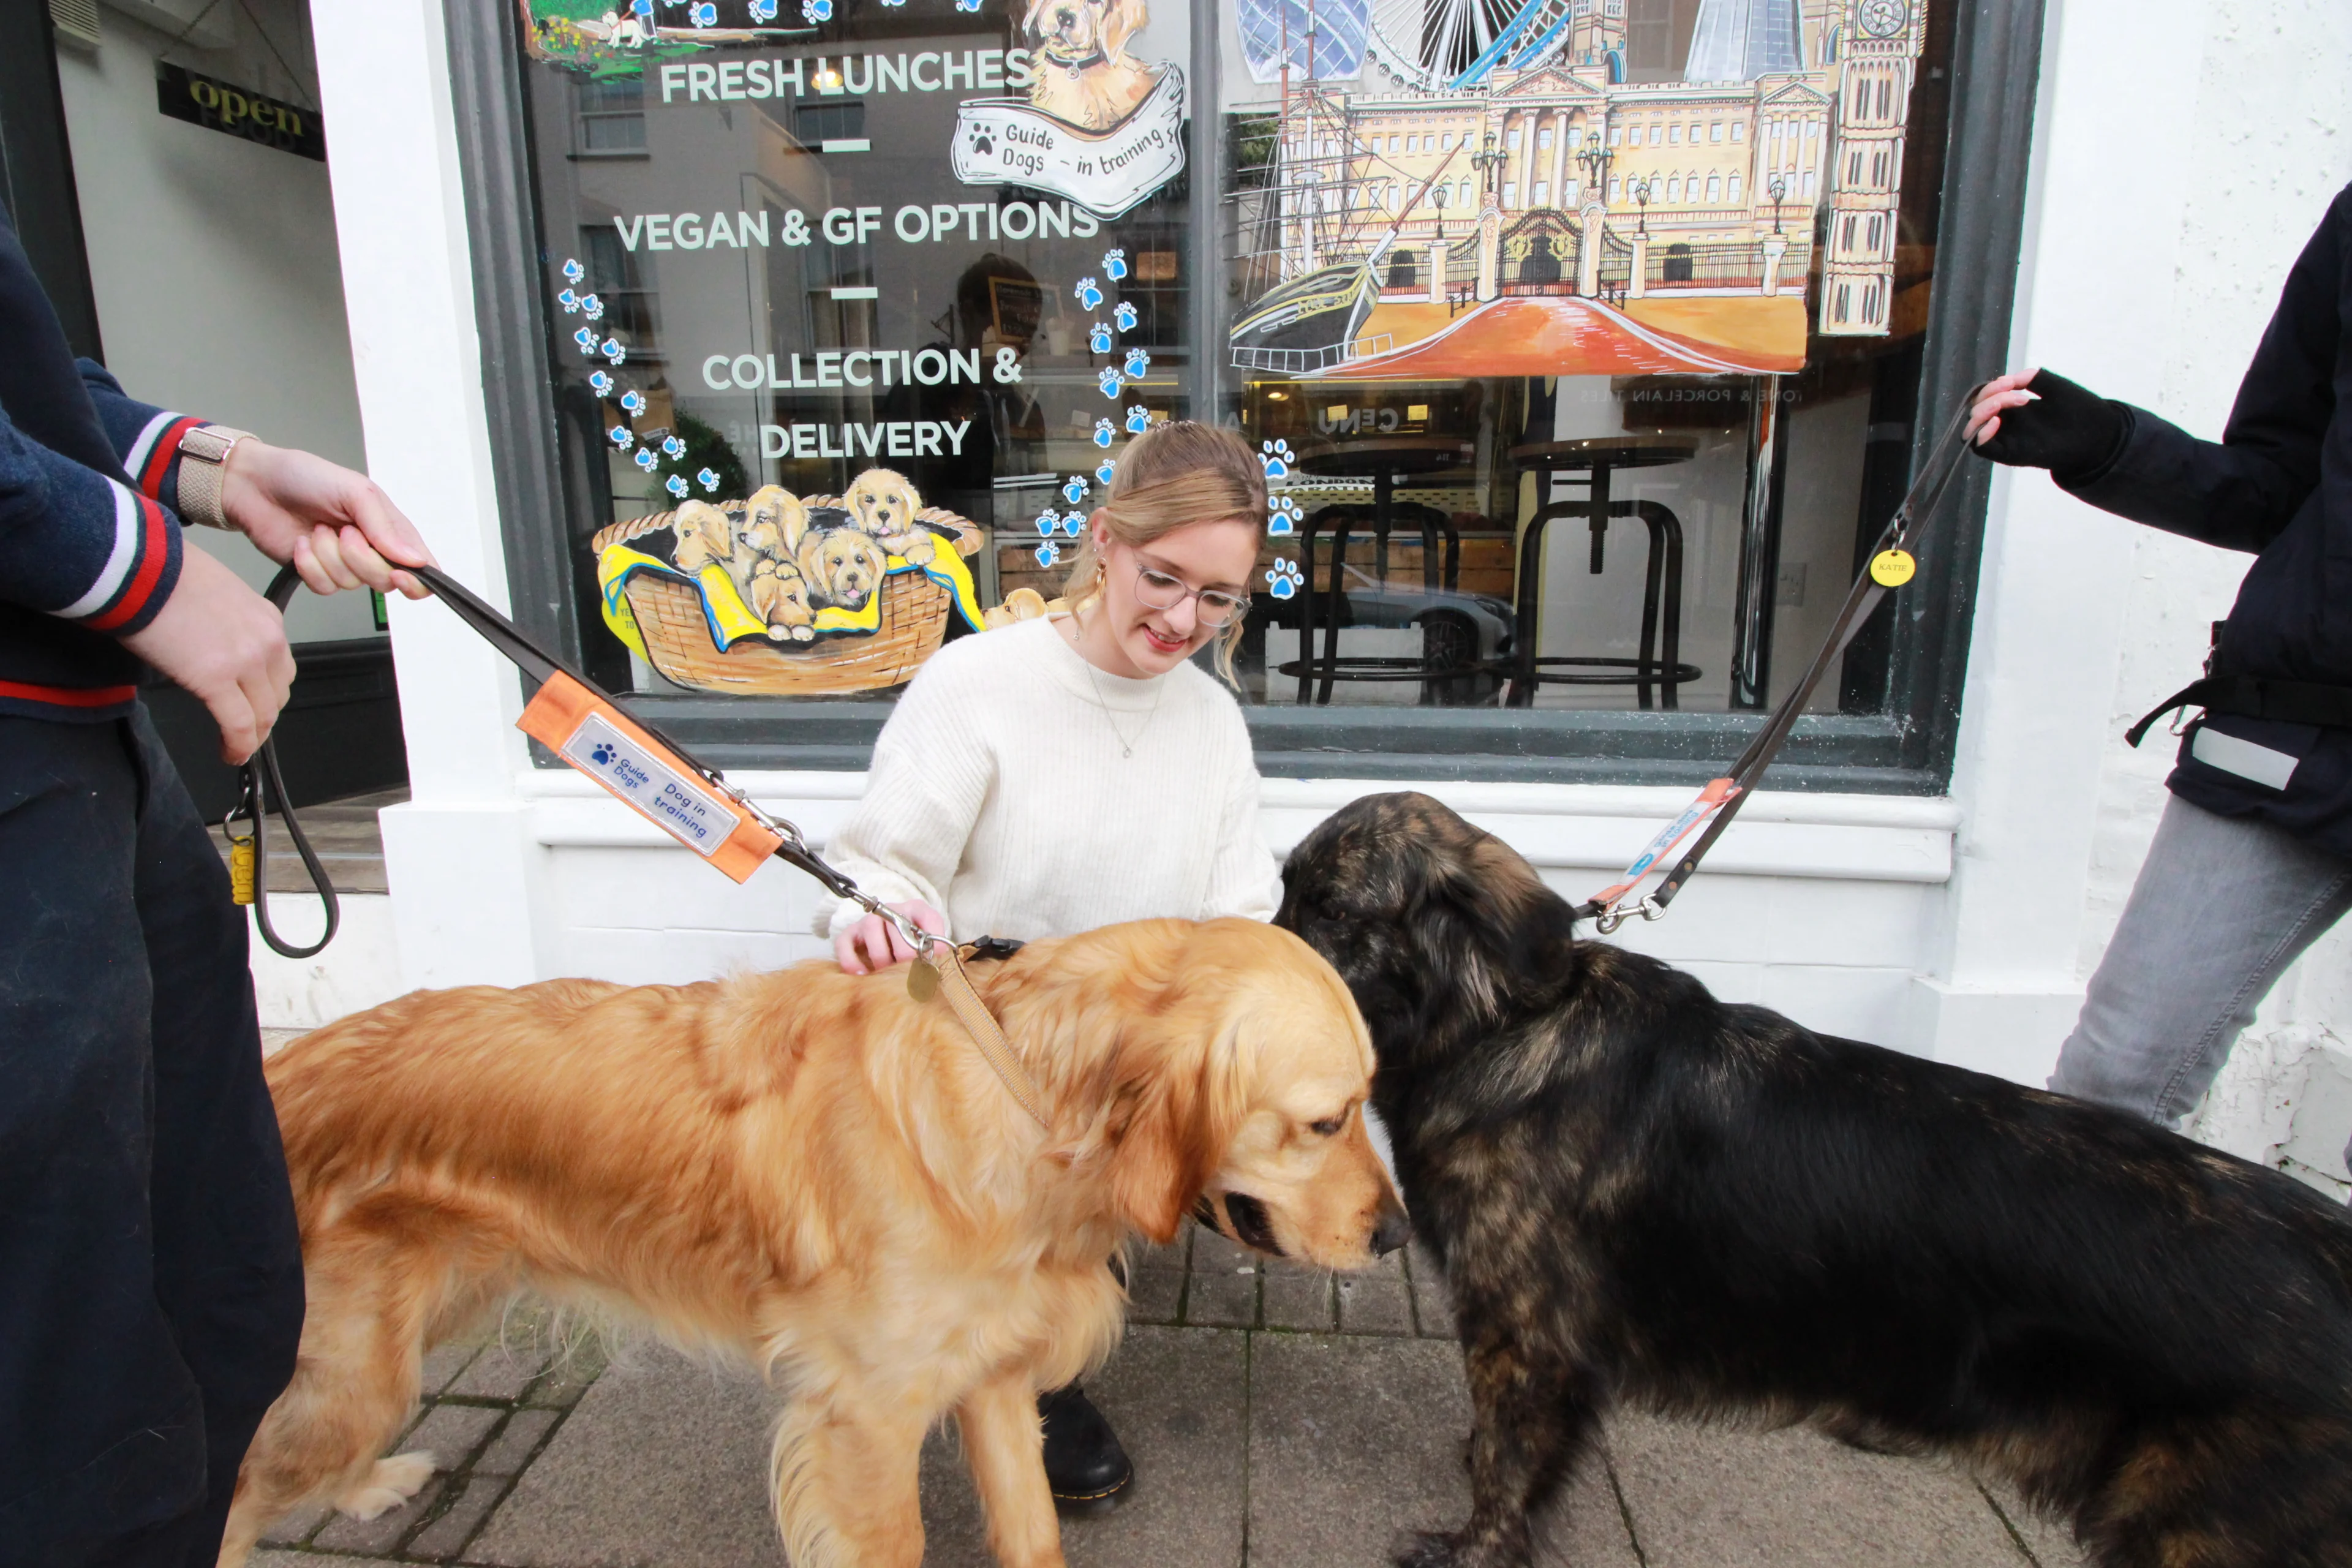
239, 111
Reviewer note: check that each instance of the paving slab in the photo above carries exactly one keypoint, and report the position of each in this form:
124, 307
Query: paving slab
1353, 1445
662, 1460
2049, 1544
1702, 1497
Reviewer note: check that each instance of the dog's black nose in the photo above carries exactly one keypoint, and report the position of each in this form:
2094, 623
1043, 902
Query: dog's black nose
1392, 1230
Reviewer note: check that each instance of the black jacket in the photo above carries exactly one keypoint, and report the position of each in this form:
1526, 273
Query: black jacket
2278, 483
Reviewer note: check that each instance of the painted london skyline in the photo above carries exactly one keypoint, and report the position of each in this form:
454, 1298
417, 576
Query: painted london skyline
1428, 215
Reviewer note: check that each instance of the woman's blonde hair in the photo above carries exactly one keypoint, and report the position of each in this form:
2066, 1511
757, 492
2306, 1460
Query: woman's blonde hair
1173, 476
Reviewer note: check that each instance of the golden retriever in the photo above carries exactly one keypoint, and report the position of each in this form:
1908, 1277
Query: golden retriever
813, 1173
841, 567
884, 505
1083, 74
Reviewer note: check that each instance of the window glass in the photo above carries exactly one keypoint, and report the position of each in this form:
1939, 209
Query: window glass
852, 315
854, 307
1721, 354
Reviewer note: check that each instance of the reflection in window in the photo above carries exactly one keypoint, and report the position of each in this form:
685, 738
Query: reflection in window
611, 118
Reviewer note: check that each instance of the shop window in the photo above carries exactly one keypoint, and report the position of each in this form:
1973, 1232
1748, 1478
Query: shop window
927, 241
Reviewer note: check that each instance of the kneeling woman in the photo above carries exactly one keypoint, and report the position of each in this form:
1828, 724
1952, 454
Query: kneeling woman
1071, 771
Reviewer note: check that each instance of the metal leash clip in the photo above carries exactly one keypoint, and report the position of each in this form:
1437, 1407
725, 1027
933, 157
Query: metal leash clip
1607, 922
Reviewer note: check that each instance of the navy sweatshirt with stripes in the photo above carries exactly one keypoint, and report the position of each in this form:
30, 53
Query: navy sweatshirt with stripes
89, 541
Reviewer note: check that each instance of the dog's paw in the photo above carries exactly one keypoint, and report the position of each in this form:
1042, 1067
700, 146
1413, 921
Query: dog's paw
389, 1485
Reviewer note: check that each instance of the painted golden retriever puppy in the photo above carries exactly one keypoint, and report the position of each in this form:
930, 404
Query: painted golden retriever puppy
884, 505
1083, 74
815, 1174
841, 567
756, 553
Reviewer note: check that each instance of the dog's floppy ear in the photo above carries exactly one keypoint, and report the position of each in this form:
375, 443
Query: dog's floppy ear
1029, 22
1122, 19
1172, 1117
1483, 919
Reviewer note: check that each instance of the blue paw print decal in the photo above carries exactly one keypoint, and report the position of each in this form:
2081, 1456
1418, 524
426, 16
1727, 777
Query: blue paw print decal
1125, 316
1104, 434
1104, 472
570, 301
573, 271
673, 448
602, 385
592, 307
676, 485
1275, 456
1138, 420
614, 352
620, 437
1089, 293
1111, 383
1284, 580
1282, 517
707, 479
1099, 338
1138, 361
815, 11
1048, 520
1074, 524
586, 338
633, 402
763, 11
705, 15
967, 4
646, 460
1074, 489
1049, 553
1114, 265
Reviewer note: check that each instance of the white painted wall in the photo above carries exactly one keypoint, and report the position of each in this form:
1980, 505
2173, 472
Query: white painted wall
219, 291
1960, 927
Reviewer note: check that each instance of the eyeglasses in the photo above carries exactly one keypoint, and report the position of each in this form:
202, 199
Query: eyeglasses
1159, 591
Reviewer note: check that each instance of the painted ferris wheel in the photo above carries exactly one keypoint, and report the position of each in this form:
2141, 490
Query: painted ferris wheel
1423, 46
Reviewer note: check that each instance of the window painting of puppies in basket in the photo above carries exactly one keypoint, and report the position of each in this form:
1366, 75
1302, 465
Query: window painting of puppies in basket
779, 594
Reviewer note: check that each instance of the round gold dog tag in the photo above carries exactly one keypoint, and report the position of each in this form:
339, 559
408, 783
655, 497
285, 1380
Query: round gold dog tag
922, 980
1892, 568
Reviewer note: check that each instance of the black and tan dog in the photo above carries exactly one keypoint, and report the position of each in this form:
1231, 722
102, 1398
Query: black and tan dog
1643, 1194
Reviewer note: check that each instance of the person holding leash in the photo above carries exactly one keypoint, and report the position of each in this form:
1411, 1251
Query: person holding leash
151, 1280
2252, 859
983, 812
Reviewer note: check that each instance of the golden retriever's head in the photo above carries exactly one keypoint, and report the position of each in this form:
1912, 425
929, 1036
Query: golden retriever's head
1075, 30
1233, 1081
773, 521
884, 503
842, 565
704, 534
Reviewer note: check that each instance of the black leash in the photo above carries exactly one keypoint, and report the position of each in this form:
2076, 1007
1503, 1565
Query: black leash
260, 783
1891, 565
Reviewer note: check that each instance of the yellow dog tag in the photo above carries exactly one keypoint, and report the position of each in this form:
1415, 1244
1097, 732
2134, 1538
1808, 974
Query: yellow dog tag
1892, 568
922, 980
240, 870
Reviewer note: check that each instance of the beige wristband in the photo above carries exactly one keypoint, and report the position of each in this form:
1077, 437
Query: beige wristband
204, 452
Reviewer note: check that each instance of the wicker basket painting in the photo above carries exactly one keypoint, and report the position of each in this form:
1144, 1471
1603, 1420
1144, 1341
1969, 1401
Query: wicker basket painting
675, 628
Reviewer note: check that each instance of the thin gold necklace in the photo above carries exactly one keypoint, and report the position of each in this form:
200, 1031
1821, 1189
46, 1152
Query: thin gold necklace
1159, 690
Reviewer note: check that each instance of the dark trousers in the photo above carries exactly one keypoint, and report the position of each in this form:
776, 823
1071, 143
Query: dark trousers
151, 1278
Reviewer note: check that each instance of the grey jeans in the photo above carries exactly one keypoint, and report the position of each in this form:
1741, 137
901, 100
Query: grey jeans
2222, 907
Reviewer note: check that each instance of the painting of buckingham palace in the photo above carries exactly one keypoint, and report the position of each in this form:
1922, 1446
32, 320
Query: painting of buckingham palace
1506, 187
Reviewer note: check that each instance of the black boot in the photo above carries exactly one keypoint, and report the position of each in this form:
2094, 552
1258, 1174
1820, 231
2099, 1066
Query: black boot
1085, 1467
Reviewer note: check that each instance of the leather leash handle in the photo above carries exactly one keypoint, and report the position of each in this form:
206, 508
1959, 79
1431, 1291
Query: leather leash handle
260, 780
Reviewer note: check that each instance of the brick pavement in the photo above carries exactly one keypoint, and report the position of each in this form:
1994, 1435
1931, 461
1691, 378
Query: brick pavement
1280, 1417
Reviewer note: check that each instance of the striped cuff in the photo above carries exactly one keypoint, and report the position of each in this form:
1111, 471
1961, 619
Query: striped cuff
153, 460
140, 571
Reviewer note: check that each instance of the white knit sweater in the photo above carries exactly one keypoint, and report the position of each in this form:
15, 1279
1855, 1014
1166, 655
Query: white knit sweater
999, 795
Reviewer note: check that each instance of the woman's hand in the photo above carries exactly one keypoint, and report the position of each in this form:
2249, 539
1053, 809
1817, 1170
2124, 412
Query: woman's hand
874, 943
2000, 394
334, 526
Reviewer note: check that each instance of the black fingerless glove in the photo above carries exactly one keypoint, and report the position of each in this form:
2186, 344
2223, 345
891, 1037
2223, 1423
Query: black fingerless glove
2071, 430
